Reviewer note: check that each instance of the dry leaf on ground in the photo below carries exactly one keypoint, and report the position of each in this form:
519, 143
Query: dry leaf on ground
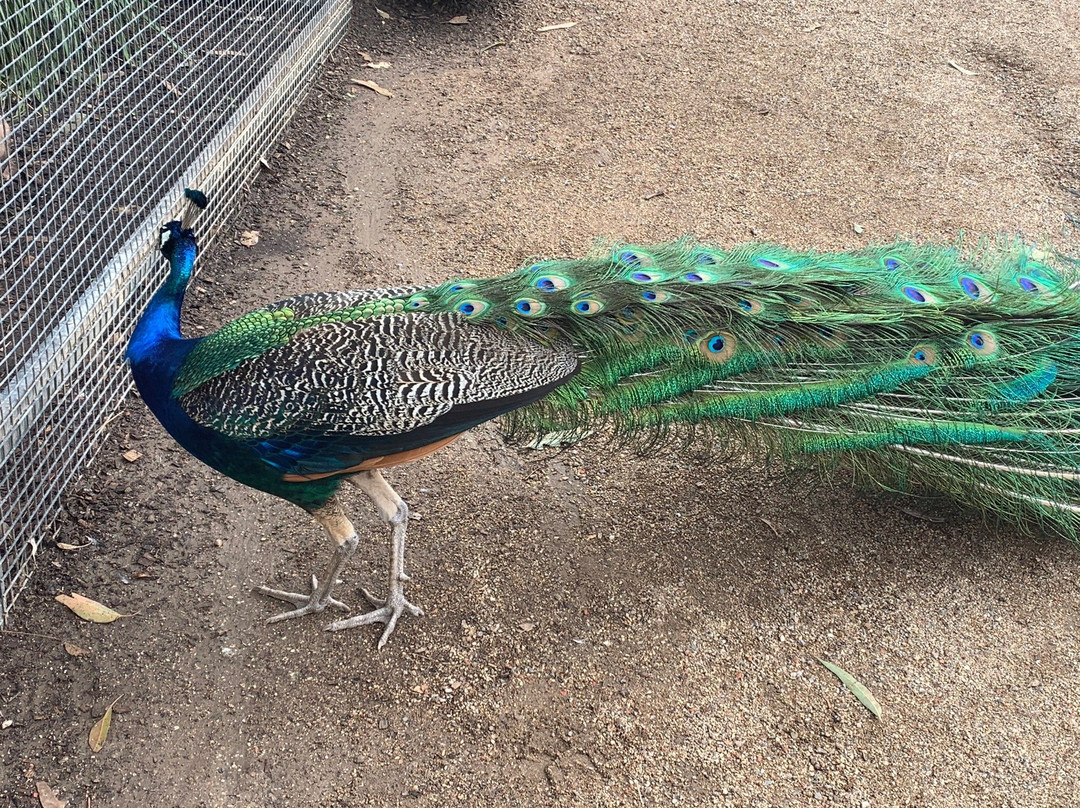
377, 65
101, 729
857, 688
382, 13
63, 545
249, 238
75, 650
557, 26
461, 19
5, 131
373, 86
89, 609
131, 455
47, 797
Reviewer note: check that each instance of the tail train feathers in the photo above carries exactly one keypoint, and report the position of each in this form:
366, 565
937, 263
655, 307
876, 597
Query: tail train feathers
941, 369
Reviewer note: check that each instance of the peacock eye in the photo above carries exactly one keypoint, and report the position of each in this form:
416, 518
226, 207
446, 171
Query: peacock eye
417, 302
551, 283
972, 288
912, 293
636, 259
472, 308
923, 355
529, 307
769, 263
588, 306
982, 343
718, 346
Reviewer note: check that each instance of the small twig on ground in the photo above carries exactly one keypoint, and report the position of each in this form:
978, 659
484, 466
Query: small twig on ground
30, 634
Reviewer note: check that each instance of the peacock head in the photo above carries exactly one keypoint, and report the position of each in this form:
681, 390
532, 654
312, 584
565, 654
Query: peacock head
179, 248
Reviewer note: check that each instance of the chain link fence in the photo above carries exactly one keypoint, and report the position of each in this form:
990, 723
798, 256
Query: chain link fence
108, 109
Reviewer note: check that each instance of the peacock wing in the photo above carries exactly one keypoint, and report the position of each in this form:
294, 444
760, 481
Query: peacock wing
336, 393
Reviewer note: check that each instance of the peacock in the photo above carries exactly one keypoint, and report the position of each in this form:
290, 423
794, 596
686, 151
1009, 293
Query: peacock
954, 369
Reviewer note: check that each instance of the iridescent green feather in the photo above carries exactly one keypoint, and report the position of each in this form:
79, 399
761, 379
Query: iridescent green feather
944, 368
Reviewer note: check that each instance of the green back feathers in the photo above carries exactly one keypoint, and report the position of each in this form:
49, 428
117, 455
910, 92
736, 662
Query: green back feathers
262, 330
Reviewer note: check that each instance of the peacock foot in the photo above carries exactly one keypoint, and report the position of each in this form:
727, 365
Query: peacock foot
386, 611
306, 604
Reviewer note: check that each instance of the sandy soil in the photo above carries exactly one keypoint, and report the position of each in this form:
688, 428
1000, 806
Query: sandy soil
601, 629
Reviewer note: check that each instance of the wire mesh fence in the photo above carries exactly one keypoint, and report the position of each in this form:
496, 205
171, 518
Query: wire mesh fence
108, 109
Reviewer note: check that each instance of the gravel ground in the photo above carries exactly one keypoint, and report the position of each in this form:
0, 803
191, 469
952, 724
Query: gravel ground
601, 629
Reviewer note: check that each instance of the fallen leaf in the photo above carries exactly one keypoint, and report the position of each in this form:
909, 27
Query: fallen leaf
75, 650
857, 688
377, 65
63, 545
365, 56
5, 149
7, 722
962, 71
858, 228
47, 797
382, 13
557, 26
89, 609
5, 132
526, 626
131, 455
461, 19
373, 86
249, 238
101, 729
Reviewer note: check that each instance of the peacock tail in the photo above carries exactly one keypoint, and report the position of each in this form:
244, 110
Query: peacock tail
944, 368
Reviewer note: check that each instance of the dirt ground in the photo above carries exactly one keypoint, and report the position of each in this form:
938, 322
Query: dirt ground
600, 629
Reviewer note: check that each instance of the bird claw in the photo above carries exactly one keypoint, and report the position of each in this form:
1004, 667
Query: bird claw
306, 604
387, 611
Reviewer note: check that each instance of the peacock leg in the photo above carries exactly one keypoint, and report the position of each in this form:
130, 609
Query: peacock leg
333, 518
393, 510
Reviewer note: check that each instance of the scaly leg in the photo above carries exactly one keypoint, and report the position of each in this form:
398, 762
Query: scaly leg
392, 509
332, 518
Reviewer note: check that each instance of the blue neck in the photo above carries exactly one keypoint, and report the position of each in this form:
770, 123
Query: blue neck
160, 323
